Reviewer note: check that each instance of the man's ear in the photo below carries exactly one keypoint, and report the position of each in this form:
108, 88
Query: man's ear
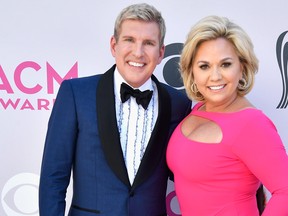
161, 54
112, 45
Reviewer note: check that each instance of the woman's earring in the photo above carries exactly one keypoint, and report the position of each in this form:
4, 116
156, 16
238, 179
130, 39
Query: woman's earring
242, 85
194, 88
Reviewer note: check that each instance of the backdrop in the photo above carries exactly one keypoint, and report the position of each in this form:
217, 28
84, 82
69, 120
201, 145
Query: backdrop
43, 42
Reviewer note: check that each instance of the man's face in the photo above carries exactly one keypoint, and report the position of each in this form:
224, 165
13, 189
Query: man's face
137, 51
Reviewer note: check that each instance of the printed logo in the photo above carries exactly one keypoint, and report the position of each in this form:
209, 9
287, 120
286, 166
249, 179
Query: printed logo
171, 59
22, 86
19, 196
282, 59
172, 201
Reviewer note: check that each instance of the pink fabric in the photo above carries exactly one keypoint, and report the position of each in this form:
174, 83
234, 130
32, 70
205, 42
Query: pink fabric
222, 178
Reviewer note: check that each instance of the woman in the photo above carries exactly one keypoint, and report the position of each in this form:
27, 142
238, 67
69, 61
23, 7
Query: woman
222, 152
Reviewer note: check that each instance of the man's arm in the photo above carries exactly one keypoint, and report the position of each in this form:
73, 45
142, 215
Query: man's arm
58, 154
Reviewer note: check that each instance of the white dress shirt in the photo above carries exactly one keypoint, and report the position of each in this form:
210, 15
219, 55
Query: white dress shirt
135, 124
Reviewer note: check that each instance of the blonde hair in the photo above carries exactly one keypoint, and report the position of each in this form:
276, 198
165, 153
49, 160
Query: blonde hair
210, 28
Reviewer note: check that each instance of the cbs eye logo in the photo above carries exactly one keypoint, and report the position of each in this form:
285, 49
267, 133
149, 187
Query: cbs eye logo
19, 195
172, 204
282, 59
170, 72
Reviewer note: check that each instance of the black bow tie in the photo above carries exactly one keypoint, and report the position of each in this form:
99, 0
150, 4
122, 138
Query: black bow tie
142, 98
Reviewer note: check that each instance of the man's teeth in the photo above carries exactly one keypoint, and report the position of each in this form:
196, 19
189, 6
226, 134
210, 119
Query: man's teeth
135, 64
216, 87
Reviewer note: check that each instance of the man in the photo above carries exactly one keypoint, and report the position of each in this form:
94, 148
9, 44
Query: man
112, 142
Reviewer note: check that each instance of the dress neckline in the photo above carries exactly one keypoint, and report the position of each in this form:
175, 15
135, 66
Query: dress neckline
199, 105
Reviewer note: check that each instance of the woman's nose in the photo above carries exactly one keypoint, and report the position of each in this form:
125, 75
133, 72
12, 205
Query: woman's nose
216, 74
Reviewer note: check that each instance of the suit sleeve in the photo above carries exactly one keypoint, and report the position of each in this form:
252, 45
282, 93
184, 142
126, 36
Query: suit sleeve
263, 152
58, 153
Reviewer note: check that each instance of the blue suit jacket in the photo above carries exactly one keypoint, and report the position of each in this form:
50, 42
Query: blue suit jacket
83, 137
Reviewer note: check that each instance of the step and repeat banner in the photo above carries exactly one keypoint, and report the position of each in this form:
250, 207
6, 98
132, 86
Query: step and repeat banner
43, 42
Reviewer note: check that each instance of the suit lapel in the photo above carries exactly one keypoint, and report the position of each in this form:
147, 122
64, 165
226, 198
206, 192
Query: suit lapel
109, 135
107, 126
157, 143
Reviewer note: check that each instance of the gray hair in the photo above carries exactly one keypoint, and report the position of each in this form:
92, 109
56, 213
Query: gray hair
142, 12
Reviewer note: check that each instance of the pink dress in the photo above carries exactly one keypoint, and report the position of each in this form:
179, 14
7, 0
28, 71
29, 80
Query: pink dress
222, 178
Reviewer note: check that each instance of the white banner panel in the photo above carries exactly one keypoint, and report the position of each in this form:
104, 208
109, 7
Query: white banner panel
43, 42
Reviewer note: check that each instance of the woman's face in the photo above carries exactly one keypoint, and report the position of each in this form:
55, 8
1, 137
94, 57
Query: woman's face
217, 71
